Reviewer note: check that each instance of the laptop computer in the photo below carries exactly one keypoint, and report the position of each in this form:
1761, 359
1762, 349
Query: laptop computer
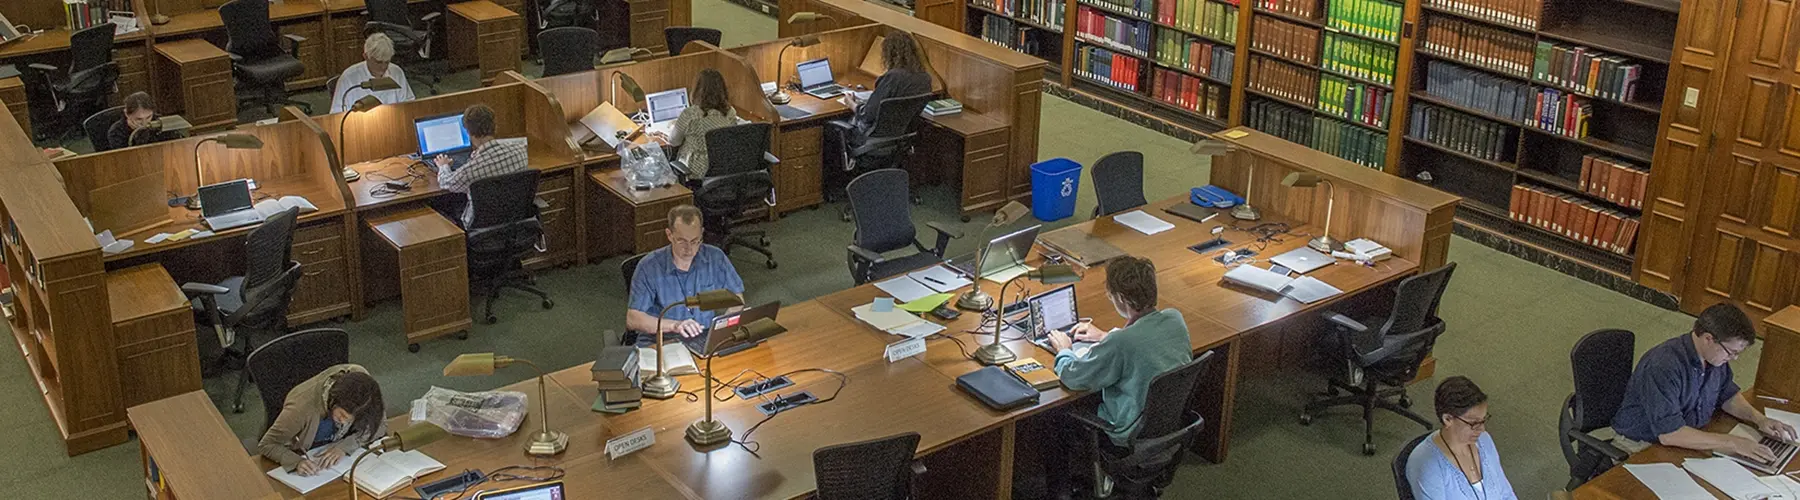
816, 79
664, 108
542, 491
227, 205
1784, 451
8, 32
1051, 311
697, 344
443, 135
1302, 260
1004, 253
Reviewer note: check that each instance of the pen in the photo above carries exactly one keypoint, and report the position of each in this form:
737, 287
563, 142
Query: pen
1209, 217
1772, 398
934, 280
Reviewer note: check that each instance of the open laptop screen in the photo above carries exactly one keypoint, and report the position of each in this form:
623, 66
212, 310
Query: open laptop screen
441, 134
814, 73
547, 491
225, 197
666, 105
1058, 307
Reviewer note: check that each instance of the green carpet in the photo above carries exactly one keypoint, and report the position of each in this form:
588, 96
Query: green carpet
1511, 325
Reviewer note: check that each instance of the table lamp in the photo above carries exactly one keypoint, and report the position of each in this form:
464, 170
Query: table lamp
781, 96
1214, 147
545, 442
706, 431
623, 54
663, 386
974, 299
408, 439
230, 141
1049, 274
368, 102
158, 18
808, 17
1323, 243
166, 123
632, 90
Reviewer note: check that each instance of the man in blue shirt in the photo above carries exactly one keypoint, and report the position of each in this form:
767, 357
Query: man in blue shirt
670, 274
1681, 383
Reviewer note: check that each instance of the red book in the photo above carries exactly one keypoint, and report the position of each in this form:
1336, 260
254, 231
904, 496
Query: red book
1512, 205
1627, 232
1639, 187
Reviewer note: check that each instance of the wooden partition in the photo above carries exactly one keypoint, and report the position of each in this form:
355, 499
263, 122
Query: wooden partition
1412, 220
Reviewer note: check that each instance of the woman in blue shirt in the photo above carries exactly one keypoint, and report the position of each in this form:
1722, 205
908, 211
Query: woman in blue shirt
1459, 462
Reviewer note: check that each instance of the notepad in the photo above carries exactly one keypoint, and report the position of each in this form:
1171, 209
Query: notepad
940, 278
385, 474
1308, 289
897, 322
305, 484
904, 288
1143, 222
1725, 474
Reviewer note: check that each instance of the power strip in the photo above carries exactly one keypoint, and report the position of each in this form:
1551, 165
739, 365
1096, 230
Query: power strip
762, 387
450, 484
785, 403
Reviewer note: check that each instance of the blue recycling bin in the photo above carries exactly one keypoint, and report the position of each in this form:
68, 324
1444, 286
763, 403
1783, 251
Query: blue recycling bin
1054, 183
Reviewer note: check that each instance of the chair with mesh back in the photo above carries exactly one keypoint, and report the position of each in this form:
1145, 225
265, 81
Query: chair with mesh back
1118, 182
99, 127
886, 145
886, 225
503, 230
255, 302
1602, 364
261, 64
1403, 484
1146, 464
877, 469
568, 49
678, 37
279, 365
738, 179
58, 98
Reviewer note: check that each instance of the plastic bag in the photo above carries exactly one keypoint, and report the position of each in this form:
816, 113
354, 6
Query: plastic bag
645, 166
490, 414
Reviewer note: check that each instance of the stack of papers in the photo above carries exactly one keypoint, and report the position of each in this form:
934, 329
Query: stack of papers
896, 321
1668, 481
1729, 477
1143, 222
903, 288
939, 278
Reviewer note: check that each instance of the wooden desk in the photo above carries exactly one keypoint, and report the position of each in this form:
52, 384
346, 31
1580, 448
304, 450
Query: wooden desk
153, 328
1619, 484
130, 52
184, 438
627, 221
196, 75
428, 253
1778, 372
303, 18
12, 92
485, 34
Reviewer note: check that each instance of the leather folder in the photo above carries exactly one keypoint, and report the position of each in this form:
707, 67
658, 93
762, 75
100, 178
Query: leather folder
998, 389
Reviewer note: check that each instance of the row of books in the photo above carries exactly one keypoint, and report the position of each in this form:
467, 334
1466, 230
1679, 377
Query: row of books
1013, 35
1586, 70
1194, 55
1355, 101
1299, 8
1189, 93
1291, 41
1562, 113
1573, 217
1615, 180
1377, 19
1122, 33
1139, 8
1518, 13
1201, 17
83, 14
1045, 12
1479, 45
1360, 58
1287, 81
1501, 97
1108, 67
1280, 120
1462, 132
1343, 140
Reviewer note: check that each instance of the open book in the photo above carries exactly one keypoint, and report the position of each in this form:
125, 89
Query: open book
268, 208
675, 357
390, 472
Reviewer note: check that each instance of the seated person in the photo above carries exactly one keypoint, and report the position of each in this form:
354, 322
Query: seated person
1458, 462
1682, 382
905, 76
135, 129
378, 52
491, 158
670, 274
711, 110
340, 407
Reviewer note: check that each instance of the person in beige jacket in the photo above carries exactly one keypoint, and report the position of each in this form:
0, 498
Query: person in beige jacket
340, 407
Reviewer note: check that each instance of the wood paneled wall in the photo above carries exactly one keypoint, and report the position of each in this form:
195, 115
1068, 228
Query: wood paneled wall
290, 150
387, 130
844, 47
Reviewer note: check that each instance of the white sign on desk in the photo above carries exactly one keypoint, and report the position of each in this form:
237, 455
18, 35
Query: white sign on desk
905, 349
633, 441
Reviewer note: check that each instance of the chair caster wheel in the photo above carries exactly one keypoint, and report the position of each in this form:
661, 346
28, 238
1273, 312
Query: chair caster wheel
237, 407
966, 219
1368, 449
1305, 419
771, 264
845, 217
490, 319
413, 348
548, 304
764, 241
463, 335
1405, 402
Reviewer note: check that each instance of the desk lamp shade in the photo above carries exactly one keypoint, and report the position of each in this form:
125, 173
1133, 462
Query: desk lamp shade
1049, 274
663, 386
807, 17
623, 54
1323, 243
632, 90
781, 96
975, 299
1216, 148
230, 141
381, 84
475, 363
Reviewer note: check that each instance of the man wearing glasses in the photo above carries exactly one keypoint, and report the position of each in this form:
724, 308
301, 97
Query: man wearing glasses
1681, 383
670, 274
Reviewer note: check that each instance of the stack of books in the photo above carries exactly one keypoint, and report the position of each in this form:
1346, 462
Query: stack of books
942, 107
1613, 179
1574, 218
616, 372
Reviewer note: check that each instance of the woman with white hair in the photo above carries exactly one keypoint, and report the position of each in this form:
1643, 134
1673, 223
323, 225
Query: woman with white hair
378, 52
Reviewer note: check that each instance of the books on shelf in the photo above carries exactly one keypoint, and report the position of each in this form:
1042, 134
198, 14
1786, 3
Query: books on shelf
1294, 42
1114, 32
1517, 13
83, 14
1192, 94
1014, 35
1360, 58
1360, 145
1280, 120
1462, 132
1044, 12
1478, 45
1138, 8
1308, 9
1176, 50
1376, 19
1615, 180
1294, 83
1562, 113
1354, 101
1108, 67
1586, 70
1504, 98
1210, 19
1573, 218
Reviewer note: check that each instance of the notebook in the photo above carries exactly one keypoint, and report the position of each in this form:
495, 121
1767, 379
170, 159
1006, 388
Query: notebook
1081, 246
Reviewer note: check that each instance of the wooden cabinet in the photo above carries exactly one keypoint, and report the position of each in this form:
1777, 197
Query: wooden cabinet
557, 191
626, 221
134, 69
313, 52
421, 255
323, 291
1778, 369
194, 80
798, 176
153, 332
648, 18
486, 35
12, 92
346, 42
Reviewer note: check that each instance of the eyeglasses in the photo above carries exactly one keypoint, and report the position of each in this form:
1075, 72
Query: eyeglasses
687, 243
1730, 354
1480, 424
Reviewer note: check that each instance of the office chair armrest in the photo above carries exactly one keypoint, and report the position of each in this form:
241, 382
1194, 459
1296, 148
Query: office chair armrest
1091, 420
1346, 322
770, 158
944, 235
866, 255
918, 468
42, 67
234, 57
432, 17
1597, 444
294, 42
944, 229
680, 168
203, 289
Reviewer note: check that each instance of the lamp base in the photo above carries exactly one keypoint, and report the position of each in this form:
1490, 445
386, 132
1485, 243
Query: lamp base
708, 432
1325, 244
193, 202
547, 443
994, 354
159, 19
975, 300
1243, 211
780, 97
351, 175
661, 386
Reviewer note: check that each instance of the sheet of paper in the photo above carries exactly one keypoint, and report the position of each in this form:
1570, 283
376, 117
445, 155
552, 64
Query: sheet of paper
939, 278
1308, 289
904, 288
1783, 416
884, 321
1668, 481
1005, 275
304, 484
1782, 485
1729, 477
1143, 222
917, 329
927, 303
883, 304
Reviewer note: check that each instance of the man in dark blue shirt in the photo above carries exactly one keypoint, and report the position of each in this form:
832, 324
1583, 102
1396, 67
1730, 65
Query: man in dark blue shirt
670, 274
1681, 383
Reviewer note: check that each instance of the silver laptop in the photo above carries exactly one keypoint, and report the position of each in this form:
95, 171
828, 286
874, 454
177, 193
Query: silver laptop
1004, 253
227, 205
1784, 451
816, 79
1302, 260
664, 108
8, 32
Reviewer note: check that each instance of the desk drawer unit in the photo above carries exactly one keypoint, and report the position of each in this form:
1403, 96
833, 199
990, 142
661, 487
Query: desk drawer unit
312, 52
134, 69
429, 255
482, 36
558, 221
153, 335
194, 78
648, 18
12, 92
797, 177
347, 40
324, 273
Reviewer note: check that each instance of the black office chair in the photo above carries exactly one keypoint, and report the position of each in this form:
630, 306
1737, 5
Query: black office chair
259, 64
98, 128
876, 469
1146, 464
255, 302
1381, 359
1118, 183
1402, 484
564, 13
280, 364
678, 37
1602, 362
503, 230
568, 49
885, 146
886, 225
412, 41
738, 178
628, 269
57, 99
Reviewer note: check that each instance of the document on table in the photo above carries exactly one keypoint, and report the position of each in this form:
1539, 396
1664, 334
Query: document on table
904, 288
1786, 417
1728, 476
897, 322
305, 484
939, 278
1782, 485
1004, 275
1668, 481
1143, 222
1308, 289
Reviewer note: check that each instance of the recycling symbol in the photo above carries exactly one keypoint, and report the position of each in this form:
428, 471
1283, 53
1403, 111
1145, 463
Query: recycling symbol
1068, 186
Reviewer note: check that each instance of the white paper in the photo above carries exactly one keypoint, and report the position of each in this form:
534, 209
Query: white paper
1784, 486
159, 238
1668, 481
884, 321
675, 357
904, 289
1308, 289
917, 329
1786, 417
940, 278
304, 484
1729, 477
1143, 222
